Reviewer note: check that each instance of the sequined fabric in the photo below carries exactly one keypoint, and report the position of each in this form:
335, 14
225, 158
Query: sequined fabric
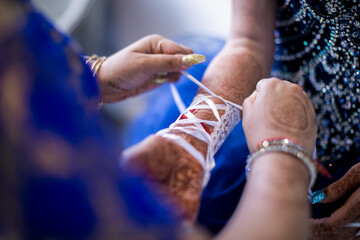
318, 46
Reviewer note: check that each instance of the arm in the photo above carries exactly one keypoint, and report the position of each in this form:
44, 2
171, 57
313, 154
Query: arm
248, 54
274, 204
232, 75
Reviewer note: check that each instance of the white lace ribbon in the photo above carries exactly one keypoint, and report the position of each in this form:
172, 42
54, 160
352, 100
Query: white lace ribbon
354, 225
222, 126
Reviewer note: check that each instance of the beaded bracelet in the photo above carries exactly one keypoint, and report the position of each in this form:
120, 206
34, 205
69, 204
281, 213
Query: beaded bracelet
286, 146
96, 63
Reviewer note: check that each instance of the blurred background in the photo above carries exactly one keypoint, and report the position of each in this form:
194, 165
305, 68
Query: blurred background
103, 27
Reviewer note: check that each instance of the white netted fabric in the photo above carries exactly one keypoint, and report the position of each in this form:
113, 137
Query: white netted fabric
227, 115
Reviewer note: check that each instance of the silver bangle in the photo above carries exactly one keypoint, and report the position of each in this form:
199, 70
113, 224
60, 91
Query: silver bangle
285, 146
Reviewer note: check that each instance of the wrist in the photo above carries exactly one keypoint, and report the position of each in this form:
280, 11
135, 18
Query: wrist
95, 62
240, 72
283, 168
284, 146
202, 129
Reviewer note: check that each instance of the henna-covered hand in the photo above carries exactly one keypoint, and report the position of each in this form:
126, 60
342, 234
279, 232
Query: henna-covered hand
172, 169
279, 109
334, 227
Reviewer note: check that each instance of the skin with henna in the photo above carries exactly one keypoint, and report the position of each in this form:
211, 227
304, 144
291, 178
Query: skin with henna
274, 198
163, 161
333, 227
279, 115
242, 65
245, 15
188, 197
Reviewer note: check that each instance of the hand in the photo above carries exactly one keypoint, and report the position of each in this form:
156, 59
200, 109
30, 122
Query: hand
333, 227
171, 168
130, 71
279, 109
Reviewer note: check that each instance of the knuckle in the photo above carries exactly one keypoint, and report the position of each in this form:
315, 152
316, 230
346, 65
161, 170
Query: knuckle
141, 61
275, 79
296, 89
245, 103
272, 81
155, 36
355, 169
155, 41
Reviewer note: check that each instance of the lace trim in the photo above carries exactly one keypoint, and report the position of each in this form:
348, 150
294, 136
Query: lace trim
198, 127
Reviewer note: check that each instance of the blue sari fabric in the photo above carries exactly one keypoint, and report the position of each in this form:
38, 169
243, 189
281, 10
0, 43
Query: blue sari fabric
59, 174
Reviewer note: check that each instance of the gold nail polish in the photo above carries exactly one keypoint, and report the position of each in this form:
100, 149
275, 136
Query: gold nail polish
160, 80
193, 59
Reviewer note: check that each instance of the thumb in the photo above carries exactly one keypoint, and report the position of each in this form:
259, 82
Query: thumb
171, 63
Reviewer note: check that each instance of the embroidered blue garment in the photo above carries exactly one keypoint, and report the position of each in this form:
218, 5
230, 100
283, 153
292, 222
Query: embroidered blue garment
59, 174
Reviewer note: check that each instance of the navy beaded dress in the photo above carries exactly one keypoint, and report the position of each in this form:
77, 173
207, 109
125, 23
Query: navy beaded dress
317, 45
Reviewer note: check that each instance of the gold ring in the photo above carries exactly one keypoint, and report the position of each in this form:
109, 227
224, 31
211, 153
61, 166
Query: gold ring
160, 80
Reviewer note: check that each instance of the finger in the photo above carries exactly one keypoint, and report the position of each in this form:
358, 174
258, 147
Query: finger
163, 78
260, 84
162, 45
349, 182
266, 83
169, 63
348, 212
355, 225
193, 59
320, 229
326, 228
173, 76
248, 103
345, 234
163, 63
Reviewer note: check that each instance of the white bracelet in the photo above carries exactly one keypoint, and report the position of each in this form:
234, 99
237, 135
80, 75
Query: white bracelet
286, 146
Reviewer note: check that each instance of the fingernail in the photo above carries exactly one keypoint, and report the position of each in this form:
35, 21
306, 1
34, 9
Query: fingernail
316, 197
160, 80
193, 59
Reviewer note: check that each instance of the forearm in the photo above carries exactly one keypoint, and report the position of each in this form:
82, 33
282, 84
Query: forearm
246, 57
248, 54
233, 73
274, 204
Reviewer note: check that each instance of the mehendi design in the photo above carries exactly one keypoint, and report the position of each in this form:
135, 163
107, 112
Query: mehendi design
281, 114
